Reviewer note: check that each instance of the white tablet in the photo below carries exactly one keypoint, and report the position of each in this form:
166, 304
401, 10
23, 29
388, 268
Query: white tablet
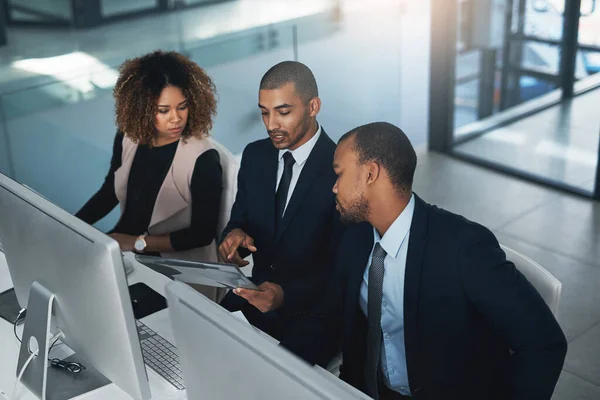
204, 273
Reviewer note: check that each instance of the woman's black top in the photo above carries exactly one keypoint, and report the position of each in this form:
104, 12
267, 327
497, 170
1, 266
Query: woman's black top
148, 171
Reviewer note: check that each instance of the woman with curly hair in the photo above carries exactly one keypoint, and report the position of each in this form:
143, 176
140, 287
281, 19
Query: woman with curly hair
164, 173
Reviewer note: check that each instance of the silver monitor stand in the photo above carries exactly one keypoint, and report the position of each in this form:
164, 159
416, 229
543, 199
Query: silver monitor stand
44, 382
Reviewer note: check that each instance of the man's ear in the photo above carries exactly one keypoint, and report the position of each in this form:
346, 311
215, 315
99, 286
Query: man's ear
373, 172
314, 106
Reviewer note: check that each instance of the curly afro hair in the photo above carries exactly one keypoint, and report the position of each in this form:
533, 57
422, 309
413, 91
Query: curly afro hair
140, 83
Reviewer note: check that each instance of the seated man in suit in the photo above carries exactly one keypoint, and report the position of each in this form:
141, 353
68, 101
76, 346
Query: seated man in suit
284, 211
424, 303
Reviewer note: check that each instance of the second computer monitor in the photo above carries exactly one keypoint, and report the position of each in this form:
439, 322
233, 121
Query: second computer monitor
223, 358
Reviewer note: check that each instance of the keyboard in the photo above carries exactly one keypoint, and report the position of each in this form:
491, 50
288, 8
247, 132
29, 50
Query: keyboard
160, 355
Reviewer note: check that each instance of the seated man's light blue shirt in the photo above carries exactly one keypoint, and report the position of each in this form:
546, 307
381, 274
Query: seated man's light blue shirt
393, 353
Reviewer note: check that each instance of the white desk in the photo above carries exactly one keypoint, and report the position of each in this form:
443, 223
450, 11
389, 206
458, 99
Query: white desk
9, 348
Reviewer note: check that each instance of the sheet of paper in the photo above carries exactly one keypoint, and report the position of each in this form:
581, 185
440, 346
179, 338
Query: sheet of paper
240, 317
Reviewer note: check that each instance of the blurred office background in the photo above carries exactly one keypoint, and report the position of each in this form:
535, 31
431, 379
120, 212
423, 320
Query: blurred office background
500, 97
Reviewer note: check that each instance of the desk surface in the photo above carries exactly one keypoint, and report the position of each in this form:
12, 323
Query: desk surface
9, 350
159, 322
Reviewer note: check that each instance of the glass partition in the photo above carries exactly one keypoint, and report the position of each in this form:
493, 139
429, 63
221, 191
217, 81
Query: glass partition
525, 89
56, 137
370, 65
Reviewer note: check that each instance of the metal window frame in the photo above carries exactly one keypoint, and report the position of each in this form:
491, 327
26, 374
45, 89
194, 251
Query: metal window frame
569, 47
3, 23
444, 21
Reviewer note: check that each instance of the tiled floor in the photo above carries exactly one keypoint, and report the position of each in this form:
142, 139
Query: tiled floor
559, 231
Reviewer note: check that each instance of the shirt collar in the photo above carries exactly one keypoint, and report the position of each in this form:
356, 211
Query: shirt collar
301, 153
397, 232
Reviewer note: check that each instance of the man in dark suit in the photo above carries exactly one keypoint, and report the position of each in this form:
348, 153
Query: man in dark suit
284, 212
424, 303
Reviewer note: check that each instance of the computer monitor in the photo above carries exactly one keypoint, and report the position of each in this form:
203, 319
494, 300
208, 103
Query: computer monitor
223, 358
70, 277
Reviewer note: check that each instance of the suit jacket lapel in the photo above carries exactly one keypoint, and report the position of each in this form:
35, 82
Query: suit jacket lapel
359, 258
414, 261
269, 169
316, 161
355, 259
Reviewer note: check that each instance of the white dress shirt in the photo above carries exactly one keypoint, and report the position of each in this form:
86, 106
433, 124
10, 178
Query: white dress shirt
393, 354
300, 156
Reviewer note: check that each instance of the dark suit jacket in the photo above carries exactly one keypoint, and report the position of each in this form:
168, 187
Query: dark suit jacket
299, 256
465, 308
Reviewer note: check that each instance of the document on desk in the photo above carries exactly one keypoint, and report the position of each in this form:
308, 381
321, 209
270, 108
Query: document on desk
204, 273
240, 317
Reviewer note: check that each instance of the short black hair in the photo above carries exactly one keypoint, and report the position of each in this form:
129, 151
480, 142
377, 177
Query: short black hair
291, 72
387, 145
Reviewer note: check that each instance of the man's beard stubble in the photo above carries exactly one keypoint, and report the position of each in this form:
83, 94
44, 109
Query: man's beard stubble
356, 212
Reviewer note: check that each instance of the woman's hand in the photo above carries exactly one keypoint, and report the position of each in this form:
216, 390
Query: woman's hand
126, 242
